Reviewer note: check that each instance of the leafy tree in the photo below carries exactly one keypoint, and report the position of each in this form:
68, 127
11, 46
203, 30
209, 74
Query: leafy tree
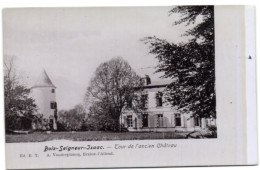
191, 65
112, 87
99, 119
71, 119
19, 106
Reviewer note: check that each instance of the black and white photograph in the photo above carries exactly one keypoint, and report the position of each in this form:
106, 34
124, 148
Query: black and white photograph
109, 73
129, 86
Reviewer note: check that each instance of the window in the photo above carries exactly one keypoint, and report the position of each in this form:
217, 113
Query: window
160, 120
116, 109
159, 99
129, 121
145, 120
53, 105
52, 90
129, 103
196, 121
144, 100
177, 119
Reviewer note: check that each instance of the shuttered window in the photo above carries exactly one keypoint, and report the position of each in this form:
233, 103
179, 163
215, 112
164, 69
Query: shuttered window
125, 121
129, 121
196, 121
160, 120
177, 119
144, 100
159, 99
129, 103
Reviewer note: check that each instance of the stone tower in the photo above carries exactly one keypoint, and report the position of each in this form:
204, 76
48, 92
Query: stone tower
44, 93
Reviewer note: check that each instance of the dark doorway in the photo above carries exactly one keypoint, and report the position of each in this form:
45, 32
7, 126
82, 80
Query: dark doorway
145, 120
51, 124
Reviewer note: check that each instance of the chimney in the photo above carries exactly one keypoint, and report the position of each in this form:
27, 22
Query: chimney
147, 80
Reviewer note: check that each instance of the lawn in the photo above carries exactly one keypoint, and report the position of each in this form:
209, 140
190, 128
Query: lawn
91, 136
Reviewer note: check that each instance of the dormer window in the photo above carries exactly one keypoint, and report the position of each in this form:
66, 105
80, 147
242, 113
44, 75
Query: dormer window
146, 80
52, 90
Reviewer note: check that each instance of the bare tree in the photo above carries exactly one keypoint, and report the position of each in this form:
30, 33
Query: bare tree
113, 86
19, 107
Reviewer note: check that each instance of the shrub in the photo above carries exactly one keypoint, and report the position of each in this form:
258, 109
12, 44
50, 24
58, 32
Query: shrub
213, 130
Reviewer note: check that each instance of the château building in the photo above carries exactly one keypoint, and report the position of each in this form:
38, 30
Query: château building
158, 115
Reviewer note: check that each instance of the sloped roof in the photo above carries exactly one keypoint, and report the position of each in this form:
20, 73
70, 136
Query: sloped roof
161, 83
43, 80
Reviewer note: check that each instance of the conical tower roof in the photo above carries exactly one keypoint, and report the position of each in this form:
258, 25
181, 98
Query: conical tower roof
43, 80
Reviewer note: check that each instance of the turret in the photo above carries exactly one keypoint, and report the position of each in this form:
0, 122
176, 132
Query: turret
44, 93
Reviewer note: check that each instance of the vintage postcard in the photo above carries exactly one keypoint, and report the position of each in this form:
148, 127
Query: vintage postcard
129, 86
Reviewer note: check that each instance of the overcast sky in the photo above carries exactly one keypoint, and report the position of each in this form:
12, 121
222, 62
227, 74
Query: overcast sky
70, 43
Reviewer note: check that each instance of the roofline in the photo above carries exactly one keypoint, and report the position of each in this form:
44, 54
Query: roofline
42, 87
154, 86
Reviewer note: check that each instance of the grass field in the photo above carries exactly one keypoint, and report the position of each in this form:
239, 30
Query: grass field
91, 136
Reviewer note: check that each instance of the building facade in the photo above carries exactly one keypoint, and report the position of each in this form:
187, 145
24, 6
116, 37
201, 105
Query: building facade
157, 115
44, 93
